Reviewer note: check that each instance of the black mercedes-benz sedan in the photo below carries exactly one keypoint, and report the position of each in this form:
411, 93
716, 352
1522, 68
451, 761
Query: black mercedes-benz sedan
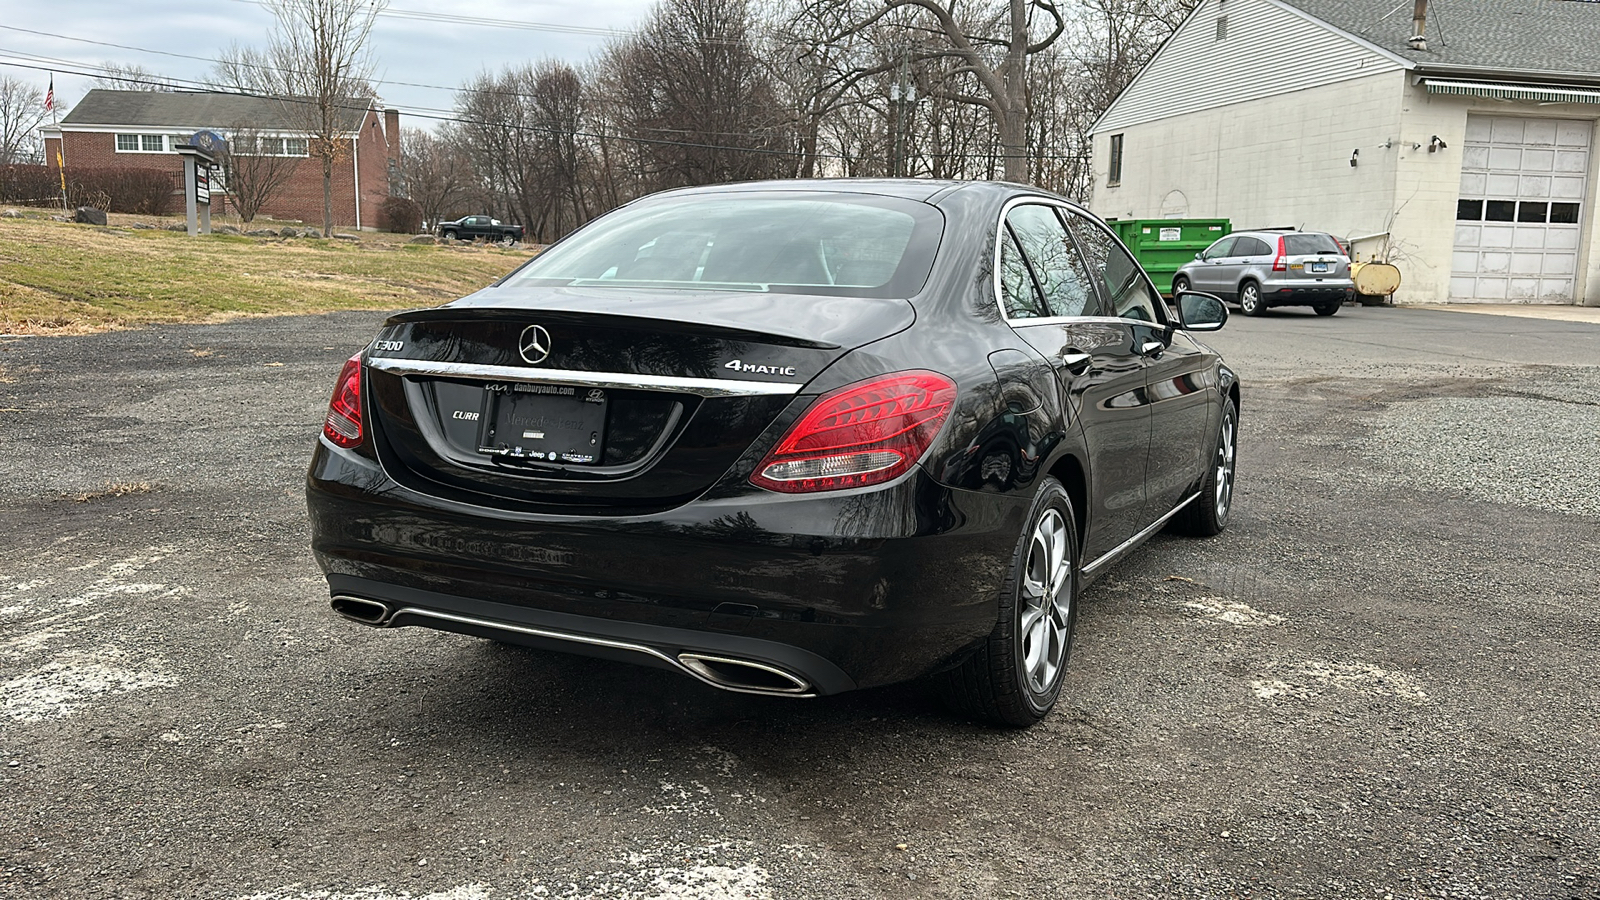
787, 438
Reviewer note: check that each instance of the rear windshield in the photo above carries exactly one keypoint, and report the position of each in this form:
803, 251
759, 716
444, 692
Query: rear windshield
790, 242
1303, 244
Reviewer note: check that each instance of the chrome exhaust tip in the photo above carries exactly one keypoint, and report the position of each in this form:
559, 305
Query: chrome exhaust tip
360, 609
743, 675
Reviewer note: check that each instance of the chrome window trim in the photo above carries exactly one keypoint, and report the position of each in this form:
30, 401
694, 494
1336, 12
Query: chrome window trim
999, 298
703, 387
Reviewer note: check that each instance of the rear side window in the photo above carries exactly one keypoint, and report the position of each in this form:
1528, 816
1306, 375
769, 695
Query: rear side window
1305, 244
1127, 288
1063, 280
790, 242
1249, 246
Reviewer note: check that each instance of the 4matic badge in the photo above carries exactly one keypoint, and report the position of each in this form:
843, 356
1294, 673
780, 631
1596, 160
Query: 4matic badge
740, 365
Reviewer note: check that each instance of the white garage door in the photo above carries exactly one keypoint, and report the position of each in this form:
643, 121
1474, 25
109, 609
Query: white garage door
1520, 210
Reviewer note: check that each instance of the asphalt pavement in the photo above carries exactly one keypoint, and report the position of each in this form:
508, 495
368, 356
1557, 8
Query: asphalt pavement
1380, 682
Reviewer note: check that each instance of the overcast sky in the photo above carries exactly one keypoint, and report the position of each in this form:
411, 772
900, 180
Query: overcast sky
420, 52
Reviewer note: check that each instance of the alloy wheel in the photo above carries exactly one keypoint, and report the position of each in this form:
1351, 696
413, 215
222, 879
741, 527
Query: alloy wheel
1045, 616
1227, 452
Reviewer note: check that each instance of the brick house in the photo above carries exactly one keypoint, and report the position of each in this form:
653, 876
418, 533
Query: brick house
142, 129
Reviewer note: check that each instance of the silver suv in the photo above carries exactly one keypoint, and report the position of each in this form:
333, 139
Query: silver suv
1262, 269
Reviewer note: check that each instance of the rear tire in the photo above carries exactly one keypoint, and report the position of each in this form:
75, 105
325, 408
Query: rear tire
1326, 309
1250, 302
1014, 678
1208, 514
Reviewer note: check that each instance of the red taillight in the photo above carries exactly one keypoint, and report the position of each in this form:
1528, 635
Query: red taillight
1281, 264
343, 425
861, 434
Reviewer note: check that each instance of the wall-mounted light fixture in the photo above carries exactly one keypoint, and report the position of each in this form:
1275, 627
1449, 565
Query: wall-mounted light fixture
1353, 155
1435, 145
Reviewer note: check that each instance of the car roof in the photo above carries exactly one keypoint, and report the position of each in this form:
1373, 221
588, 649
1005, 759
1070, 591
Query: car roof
925, 190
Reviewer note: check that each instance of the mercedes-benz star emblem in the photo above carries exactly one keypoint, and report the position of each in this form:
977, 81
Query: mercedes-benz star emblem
534, 344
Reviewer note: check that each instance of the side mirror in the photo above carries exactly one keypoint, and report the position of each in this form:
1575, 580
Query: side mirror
1200, 312
1199, 256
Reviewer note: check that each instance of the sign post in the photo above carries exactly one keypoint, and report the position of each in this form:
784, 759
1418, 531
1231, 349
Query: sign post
199, 157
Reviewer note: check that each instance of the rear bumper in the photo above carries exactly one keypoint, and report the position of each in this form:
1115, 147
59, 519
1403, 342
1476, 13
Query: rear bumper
1299, 294
845, 591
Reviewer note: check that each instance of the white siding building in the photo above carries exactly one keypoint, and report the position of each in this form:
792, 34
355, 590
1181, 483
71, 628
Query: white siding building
1466, 159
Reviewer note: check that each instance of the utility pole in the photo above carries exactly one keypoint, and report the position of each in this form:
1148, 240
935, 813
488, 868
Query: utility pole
901, 96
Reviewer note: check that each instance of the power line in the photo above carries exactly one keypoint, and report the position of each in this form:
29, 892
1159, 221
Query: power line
439, 115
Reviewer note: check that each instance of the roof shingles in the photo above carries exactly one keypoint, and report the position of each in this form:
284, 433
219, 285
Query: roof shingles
190, 109
1532, 37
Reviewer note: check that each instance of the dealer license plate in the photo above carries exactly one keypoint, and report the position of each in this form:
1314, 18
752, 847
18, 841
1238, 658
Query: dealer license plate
544, 422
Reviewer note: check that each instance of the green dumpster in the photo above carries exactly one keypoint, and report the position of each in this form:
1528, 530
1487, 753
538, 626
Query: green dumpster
1162, 246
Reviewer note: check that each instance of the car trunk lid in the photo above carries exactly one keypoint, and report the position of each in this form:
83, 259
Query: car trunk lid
577, 400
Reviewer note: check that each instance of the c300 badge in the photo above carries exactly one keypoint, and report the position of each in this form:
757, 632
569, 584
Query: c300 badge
740, 365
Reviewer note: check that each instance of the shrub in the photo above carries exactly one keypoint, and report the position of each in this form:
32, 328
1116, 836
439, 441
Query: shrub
138, 191
27, 185
400, 215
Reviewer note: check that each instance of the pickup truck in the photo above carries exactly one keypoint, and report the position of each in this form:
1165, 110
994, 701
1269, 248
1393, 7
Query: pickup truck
469, 228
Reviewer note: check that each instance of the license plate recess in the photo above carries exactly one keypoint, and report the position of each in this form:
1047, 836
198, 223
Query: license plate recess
1319, 267
544, 423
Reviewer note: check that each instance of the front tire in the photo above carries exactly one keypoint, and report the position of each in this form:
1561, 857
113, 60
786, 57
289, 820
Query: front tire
1014, 678
1208, 514
1179, 285
1250, 302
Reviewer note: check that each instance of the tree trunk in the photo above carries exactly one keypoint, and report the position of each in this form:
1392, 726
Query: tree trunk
327, 196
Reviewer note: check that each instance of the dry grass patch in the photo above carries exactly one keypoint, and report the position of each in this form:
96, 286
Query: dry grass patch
61, 278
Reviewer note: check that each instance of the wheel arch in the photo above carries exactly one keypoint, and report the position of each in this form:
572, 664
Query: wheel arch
1070, 472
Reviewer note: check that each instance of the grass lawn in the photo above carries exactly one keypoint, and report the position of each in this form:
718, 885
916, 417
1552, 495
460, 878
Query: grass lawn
62, 278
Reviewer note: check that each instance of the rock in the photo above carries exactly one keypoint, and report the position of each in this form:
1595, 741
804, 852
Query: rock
261, 232
422, 239
61, 218
311, 232
90, 216
287, 231
10, 214
449, 239
141, 226
178, 226
347, 237
225, 229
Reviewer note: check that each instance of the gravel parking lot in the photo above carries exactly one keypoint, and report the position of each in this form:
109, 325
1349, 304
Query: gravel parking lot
1380, 682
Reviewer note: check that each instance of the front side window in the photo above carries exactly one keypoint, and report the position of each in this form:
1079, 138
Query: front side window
1063, 281
1127, 288
1220, 249
781, 241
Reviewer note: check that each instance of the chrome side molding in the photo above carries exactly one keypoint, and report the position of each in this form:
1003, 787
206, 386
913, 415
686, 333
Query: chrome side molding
1115, 553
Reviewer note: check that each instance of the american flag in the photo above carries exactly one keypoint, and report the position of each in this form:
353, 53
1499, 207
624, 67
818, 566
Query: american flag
50, 95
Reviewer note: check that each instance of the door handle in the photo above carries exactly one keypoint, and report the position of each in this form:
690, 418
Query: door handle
1152, 348
1076, 361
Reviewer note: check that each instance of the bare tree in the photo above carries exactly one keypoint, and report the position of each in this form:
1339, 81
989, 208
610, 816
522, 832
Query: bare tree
316, 63
438, 173
130, 77
254, 167
695, 101
990, 45
21, 113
